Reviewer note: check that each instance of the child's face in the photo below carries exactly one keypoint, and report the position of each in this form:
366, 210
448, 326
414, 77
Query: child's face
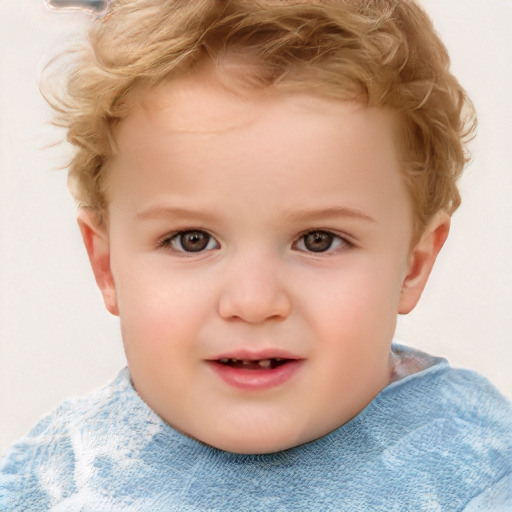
257, 253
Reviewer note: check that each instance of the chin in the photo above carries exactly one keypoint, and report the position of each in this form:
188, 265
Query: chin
256, 443
257, 447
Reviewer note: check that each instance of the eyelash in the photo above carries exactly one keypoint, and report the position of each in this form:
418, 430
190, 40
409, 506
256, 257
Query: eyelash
169, 240
340, 241
332, 238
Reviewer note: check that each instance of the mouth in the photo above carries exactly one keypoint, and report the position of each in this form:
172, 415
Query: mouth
254, 364
255, 372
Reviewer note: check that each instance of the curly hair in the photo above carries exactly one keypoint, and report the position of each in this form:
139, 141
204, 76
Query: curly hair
382, 53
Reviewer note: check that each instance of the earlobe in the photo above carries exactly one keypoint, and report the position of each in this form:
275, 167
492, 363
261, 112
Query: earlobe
421, 261
97, 243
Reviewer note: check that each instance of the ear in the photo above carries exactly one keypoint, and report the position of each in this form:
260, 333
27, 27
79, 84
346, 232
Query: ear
96, 241
421, 261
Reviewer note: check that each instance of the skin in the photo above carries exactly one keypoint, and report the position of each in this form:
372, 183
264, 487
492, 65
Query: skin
256, 174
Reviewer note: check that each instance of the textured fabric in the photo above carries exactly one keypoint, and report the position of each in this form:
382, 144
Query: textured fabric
437, 440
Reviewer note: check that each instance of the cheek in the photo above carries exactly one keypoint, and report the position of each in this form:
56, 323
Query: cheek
353, 317
152, 311
356, 294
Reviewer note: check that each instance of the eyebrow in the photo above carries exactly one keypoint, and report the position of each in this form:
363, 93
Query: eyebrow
298, 215
330, 211
163, 212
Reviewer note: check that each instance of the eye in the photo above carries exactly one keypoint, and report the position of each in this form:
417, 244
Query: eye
319, 241
191, 241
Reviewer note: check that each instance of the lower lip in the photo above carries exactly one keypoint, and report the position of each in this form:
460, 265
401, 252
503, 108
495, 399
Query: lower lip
256, 380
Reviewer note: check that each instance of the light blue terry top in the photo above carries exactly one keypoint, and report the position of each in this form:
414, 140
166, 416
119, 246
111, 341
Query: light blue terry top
436, 440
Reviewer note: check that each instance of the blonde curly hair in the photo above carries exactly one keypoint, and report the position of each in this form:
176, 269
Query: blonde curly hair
382, 53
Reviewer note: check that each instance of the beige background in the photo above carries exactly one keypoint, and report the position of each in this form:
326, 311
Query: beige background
57, 341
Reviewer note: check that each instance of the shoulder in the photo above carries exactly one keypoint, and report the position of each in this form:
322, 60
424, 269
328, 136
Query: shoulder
438, 391
442, 392
41, 468
451, 428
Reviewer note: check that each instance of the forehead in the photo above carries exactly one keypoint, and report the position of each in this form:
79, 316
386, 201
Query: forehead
199, 103
194, 124
194, 138
226, 94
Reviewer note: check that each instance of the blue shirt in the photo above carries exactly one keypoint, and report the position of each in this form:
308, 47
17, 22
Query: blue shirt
439, 439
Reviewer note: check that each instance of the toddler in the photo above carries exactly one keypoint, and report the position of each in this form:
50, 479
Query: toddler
262, 186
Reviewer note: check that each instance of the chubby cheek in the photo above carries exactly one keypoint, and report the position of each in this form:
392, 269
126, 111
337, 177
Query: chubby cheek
362, 298
354, 355
157, 316
158, 359
358, 317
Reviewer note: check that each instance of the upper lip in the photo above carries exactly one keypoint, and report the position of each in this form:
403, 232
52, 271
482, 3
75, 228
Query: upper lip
256, 355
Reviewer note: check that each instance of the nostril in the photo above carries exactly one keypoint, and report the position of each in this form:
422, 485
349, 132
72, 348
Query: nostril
254, 307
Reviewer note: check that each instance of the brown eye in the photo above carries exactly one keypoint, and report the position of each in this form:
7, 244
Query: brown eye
193, 241
320, 241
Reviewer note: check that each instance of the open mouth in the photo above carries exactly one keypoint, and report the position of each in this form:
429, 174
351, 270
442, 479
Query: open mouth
256, 364
255, 372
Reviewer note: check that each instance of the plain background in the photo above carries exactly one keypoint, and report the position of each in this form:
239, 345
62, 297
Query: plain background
56, 339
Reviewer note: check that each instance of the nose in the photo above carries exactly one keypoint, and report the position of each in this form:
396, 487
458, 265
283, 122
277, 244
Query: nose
255, 292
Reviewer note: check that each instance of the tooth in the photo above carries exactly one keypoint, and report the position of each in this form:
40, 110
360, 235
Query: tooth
265, 363
224, 360
246, 363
